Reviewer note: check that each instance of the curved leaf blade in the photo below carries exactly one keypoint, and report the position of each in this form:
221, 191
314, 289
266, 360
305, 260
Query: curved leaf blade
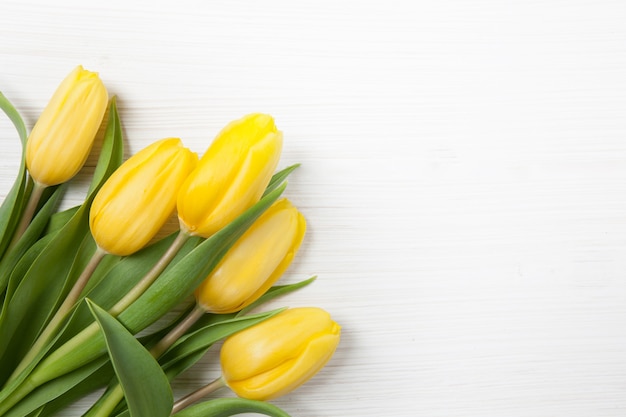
14, 202
276, 291
112, 152
225, 407
14, 116
279, 177
146, 388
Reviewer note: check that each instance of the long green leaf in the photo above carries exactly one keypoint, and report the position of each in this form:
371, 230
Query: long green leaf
279, 177
12, 206
225, 407
60, 219
112, 152
14, 116
146, 388
276, 291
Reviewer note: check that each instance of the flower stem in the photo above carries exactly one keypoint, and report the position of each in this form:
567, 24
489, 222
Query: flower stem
198, 394
29, 212
180, 329
61, 313
107, 403
153, 274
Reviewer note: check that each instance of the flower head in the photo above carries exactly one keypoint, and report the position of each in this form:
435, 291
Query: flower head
231, 176
278, 355
136, 201
61, 140
255, 262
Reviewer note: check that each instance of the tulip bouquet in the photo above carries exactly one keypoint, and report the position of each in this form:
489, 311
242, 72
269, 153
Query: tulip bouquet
85, 292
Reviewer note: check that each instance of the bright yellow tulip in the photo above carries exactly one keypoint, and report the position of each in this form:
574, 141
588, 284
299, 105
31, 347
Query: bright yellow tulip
61, 140
137, 199
255, 262
278, 355
231, 176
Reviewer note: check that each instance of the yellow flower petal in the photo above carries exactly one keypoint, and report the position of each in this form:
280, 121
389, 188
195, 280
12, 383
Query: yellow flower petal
138, 198
61, 140
278, 355
231, 176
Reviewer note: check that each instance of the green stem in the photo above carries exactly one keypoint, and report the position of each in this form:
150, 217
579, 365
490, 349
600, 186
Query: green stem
180, 329
61, 313
107, 403
29, 212
198, 394
153, 274
18, 393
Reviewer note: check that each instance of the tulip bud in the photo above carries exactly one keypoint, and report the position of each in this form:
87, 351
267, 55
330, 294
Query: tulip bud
231, 176
138, 198
255, 262
61, 140
279, 354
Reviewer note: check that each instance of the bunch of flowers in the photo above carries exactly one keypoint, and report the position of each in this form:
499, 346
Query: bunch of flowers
77, 286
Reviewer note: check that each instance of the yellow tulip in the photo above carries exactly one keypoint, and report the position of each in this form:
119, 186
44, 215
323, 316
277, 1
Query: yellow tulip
255, 262
231, 176
61, 140
278, 355
137, 199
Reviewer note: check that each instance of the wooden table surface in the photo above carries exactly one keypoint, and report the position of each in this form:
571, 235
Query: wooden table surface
463, 177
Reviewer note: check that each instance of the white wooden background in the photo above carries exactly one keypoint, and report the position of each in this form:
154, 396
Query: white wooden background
463, 175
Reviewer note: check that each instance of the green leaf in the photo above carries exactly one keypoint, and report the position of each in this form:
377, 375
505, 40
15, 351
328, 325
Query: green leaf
14, 116
225, 407
60, 219
146, 388
12, 206
279, 178
112, 152
277, 291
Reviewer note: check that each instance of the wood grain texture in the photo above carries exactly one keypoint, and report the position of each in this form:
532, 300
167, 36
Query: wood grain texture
463, 176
